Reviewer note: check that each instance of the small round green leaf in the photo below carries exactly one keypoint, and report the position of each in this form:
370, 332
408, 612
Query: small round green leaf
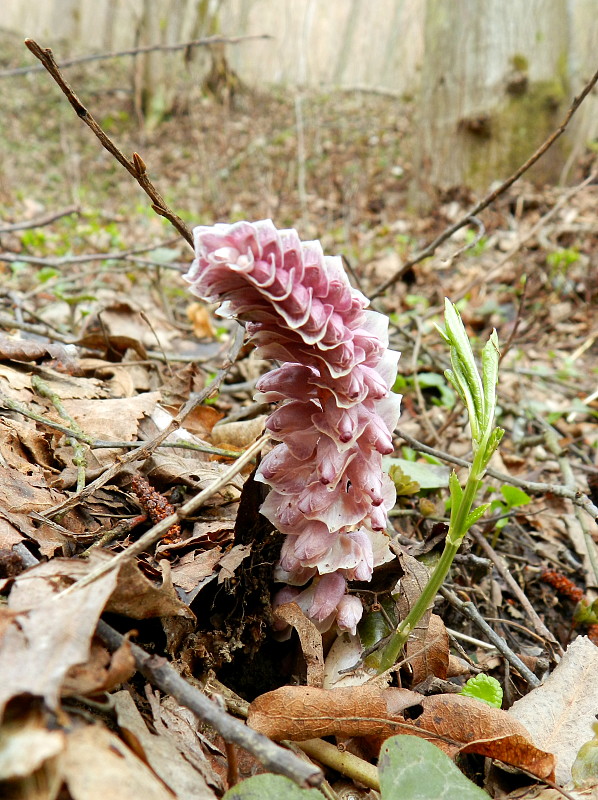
414, 769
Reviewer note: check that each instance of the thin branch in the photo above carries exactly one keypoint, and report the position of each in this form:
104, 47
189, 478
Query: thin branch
142, 453
155, 533
159, 673
135, 167
534, 487
470, 611
514, 587
491, 197
117, 255
39, 222
152, 48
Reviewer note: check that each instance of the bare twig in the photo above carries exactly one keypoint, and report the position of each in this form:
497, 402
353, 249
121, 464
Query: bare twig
159, 673
152, 48
470, 611
142, 453
156, 532
39, 222
117, 255
491, 197
135, 167
488, 277
514, 587
534, 487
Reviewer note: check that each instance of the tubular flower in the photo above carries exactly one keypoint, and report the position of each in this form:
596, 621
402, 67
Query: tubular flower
336, 416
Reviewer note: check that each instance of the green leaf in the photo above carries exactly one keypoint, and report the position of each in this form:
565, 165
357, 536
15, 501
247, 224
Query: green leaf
427, 476
433, 380
455, 489
515, 496
270, 787
475, 515
413, 769
484, 687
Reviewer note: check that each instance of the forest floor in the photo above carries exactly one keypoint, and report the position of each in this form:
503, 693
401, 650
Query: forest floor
102, 346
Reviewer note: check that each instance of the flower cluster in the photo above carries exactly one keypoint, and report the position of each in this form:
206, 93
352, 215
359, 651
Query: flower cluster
328, 494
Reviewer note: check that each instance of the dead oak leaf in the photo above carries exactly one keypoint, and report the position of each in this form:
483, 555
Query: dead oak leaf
452, 722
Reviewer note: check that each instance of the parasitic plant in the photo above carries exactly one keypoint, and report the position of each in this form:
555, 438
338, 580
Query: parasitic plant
336, 413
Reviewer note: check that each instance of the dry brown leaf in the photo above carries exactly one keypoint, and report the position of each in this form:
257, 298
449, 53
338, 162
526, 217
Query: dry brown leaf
160, 753
452, 722
429, 655
25, 744
167, 468
201, 321
28, 350
22, 445
110, 420
97, 765
183, 727
310, 638
559, 713
194, 568
133, 595
42, 644
231, 560
477, 727
138, 597
303, 712
238, 434
201, 420
22, 494
102, 672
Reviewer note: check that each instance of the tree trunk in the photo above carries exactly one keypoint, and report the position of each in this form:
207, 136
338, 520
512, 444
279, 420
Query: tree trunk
494, 85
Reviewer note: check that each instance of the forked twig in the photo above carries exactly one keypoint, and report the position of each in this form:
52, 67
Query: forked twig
135, 166
491, 197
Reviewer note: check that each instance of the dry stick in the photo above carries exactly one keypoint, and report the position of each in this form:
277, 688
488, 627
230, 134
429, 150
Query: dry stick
469, 610
579, 498
152, 48
156, 532
39, 222
117, 255
136, 167
146, 450
159, 673
496, 269
490, 198
503, 571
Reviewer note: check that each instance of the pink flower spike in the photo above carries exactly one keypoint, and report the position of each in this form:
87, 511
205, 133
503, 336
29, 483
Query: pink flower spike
349, 613
337, 413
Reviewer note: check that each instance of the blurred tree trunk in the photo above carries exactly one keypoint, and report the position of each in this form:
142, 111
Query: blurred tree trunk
169, 22
494, 85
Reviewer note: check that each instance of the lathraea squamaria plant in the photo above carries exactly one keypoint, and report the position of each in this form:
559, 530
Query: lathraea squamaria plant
335, 415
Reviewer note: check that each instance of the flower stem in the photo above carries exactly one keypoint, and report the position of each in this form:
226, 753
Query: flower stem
454, 537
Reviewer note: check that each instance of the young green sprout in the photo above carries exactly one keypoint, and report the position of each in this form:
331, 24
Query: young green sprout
478, 393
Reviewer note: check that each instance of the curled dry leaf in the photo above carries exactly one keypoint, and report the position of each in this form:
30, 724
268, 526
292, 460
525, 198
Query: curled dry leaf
303, 712
452, 722
428, 651
310, 638
102, 672
238, 434
159, 752
27, 350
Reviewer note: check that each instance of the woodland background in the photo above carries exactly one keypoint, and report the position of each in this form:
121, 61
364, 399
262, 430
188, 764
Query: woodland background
375, 127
